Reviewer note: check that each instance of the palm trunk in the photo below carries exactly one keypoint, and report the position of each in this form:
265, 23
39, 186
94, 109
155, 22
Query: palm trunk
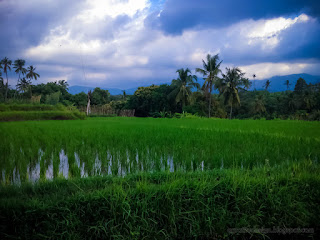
30, 91
210, 105
209, 110
231, 112
88, 107
183, 105
16, 87
6, 95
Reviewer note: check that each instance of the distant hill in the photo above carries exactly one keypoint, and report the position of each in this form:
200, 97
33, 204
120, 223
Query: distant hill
112, 91
277, 84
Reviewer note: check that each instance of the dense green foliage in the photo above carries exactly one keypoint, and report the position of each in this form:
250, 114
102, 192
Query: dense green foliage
23, 112
40, 115
184, 94
166, 205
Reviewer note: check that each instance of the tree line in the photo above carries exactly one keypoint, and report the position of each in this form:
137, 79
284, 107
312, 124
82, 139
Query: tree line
25, 75
222, 94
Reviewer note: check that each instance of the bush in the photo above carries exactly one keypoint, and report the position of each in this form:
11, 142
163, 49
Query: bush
27, 107
314, 116
40, 115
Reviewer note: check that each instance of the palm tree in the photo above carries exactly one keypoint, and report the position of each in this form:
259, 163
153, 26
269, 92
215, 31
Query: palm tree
183, 86
309, 101
1, 80
230, 84
287, 83
210, 71
18, 65
6, 65
23, 85
63, 83
254, 81
291, 102
259, 104
124, 95
31, 74
267, 85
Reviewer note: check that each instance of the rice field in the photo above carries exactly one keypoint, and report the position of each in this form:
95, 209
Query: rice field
42, 150
144, 178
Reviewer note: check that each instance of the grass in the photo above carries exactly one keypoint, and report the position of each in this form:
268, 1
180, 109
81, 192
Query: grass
29, 107
25, 112
157, 178
163, 205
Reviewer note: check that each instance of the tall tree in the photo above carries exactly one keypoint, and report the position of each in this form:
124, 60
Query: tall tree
259, 104
100, 96
300, 86
124, 95
1, 82
6, 65
63, 83
230, 84
31, 74
254, 81
23, 85
183, 86
18, 65
210, 71
267, 85
287, 83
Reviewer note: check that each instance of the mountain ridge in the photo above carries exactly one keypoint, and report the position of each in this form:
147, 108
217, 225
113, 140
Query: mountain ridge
277, 84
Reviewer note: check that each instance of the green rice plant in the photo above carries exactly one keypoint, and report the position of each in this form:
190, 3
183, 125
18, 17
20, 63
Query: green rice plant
121, 146
135, 178
165, 205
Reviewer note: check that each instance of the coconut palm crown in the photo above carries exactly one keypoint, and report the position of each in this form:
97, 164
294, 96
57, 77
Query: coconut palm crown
230, 84
183, 86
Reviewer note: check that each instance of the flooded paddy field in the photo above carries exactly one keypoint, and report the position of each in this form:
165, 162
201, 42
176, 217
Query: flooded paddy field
36, 151
144, 178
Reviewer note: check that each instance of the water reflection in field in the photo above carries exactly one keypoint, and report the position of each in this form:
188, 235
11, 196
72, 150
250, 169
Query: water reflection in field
68, 165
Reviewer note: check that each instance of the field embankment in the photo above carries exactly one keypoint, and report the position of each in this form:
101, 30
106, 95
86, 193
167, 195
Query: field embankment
25, 112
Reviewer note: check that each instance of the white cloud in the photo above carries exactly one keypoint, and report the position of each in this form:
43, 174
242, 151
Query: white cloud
270, 27
98, 9
110, 52
267, 70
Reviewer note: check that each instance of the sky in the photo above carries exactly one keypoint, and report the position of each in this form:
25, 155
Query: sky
129, 43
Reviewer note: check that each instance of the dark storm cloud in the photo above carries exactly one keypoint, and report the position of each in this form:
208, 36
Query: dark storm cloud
179, 15
26, 23
300, 41
74, 40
